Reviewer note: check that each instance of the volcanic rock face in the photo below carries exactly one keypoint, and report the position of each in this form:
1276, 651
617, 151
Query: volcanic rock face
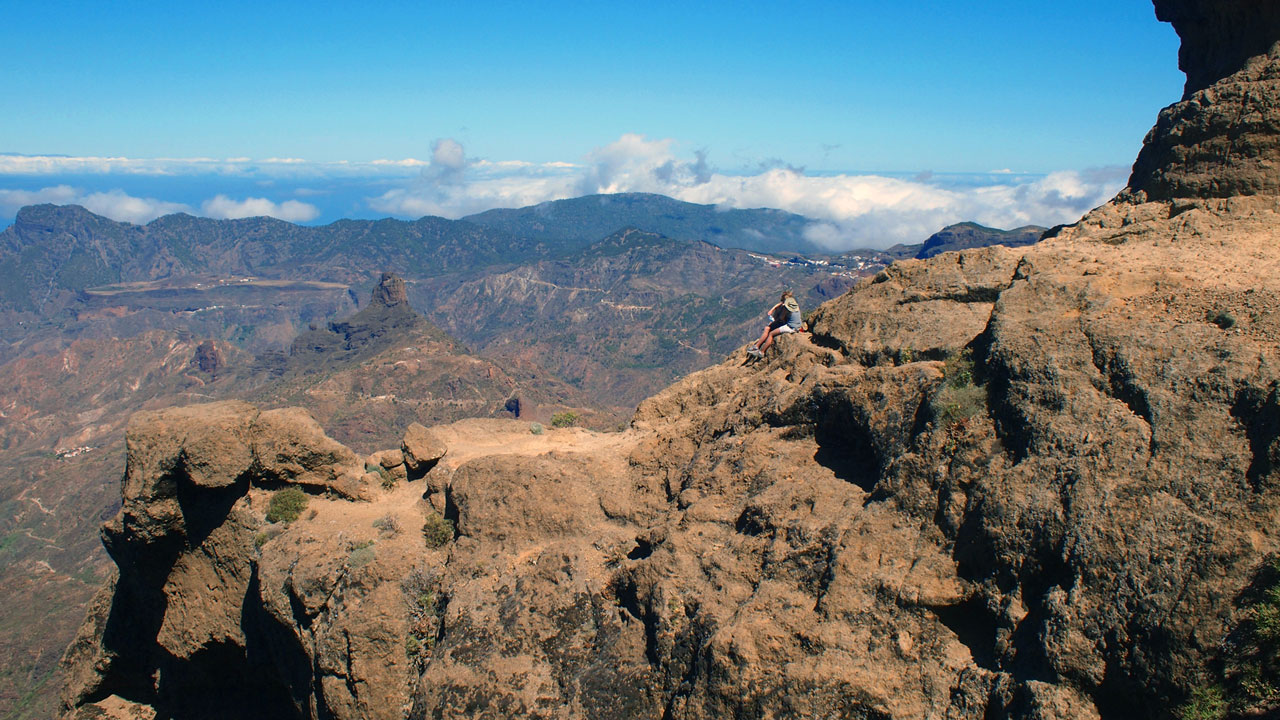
1223, 138
390, 291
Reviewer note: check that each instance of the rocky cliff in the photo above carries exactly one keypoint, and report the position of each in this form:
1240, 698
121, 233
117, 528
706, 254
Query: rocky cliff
1223, 138
1001, 483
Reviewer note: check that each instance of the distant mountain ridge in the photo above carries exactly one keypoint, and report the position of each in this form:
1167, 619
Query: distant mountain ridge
50, 252
960, 236
591, 217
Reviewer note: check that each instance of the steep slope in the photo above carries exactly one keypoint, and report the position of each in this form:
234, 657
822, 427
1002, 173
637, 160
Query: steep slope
626, 316
1223, 139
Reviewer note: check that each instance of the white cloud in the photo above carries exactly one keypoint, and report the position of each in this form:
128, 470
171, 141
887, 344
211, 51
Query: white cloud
223, 207
115, 204
851, 210
123, 207
11, 200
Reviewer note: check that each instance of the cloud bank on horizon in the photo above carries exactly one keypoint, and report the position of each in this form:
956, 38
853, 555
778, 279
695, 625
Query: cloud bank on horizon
848, 210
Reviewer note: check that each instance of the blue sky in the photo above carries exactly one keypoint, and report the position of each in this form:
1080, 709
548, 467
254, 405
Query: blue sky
313, 112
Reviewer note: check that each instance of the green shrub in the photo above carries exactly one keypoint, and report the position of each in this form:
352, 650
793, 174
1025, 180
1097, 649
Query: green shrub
388, 480
959, 398
1222, 318
1244, 679
437, 530
387, 525
362, 554
952, 404
413, 647
958, 369
260, 539
360, 557
1206, 703
286, 505
564, 419
535, 428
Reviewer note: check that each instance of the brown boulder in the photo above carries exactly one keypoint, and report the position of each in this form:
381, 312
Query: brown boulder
918, 309
290, 446
422, 448
386, 458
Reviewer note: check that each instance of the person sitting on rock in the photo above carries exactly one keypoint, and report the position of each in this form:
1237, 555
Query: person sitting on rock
784, 318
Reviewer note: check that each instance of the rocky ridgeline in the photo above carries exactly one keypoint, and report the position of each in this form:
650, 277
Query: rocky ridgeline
1002, 483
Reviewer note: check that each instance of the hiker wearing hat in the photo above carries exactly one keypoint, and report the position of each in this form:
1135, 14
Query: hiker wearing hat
784, 317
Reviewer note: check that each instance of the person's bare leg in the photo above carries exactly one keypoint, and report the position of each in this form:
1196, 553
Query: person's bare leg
767, 340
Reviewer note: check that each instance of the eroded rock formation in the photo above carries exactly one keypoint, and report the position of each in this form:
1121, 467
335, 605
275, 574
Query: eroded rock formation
1223, 138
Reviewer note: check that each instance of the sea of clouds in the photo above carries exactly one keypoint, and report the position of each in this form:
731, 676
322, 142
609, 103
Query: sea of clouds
848, 209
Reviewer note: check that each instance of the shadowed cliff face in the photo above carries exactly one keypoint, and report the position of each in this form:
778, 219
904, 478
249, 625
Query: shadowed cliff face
1219, 37
1223, 138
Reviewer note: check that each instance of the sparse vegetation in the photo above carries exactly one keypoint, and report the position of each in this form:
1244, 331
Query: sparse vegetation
568, 418
1206, 703
425, 608
535, 428
906, 356
286, 505
362, 553
437, 530
1245, 677
959, 400
387, 525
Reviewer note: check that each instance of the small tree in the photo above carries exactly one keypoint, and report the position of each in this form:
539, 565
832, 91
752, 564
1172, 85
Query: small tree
567, 418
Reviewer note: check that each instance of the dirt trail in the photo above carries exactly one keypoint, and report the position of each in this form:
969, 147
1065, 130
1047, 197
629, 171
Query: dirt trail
475, 438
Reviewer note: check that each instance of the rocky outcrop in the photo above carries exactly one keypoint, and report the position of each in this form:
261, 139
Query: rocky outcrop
377, 327
1219, 37
390, 291
208, 358
194, 488
1223, 138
